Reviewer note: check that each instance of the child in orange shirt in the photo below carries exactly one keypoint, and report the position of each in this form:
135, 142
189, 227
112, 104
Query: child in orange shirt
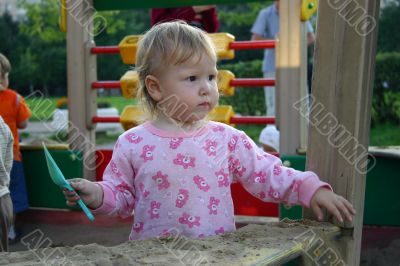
16, 114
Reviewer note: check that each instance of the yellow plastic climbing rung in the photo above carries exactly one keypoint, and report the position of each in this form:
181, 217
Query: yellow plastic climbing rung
131, 116
129, 84
221, 42
224, 80
222, 114
128, 46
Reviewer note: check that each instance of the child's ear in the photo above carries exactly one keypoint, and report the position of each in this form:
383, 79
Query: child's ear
153, 87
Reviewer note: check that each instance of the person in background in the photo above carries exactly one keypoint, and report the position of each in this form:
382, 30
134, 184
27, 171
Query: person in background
266, 26
203, 17
6, 161
269, 139
15, 113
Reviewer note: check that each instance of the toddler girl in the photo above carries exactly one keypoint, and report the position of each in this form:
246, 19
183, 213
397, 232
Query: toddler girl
174, 172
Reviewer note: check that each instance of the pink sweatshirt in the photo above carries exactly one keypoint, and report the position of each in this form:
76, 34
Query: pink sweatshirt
181, 184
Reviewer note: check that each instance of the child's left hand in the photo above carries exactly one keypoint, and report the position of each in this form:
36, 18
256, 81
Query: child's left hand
335, 204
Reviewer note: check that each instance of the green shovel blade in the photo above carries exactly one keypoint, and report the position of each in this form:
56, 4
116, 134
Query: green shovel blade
58, 178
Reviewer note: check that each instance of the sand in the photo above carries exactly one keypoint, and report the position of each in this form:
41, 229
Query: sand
250, 245
104, 243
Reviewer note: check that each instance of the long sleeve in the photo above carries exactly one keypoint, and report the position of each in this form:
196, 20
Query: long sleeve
263, 175
9, 154
118, 185
6, 158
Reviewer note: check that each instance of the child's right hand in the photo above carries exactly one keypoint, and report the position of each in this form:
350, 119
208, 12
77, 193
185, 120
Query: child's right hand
91, 193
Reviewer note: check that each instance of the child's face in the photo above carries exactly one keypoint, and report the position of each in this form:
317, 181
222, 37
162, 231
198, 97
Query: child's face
189, 90
4, 82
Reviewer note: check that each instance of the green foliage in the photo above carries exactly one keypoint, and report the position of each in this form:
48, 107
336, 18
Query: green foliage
36, 47
119, 25
249, 100
11, 46
388, 37
40, 59
238, 20
42, 21
386, 97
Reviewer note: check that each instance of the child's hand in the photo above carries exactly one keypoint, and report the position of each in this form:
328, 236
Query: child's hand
335, 204
90, 192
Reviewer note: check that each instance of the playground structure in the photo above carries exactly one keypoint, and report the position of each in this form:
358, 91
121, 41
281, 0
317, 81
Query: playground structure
225, 46
344, 70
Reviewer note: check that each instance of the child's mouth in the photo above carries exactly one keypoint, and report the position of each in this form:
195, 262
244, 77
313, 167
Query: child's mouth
205, 104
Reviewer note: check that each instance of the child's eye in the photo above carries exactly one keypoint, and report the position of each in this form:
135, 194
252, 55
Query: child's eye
192, 78
211, 77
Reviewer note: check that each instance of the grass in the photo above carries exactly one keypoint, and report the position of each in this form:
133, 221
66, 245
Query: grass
385, 135
253, 131
380, 135
43, 109
101, 137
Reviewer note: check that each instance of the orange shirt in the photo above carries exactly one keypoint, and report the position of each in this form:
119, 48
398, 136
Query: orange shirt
14, 110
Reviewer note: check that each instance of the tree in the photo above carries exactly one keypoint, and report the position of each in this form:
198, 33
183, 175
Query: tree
388, 37
238, 20
37, 48
10, 45
45, 51
119, 24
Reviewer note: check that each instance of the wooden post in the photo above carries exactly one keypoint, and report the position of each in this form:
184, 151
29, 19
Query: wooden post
339, 118
80, 69
290, 76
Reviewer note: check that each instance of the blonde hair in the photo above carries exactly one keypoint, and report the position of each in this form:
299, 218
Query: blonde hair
168, 43
5, 66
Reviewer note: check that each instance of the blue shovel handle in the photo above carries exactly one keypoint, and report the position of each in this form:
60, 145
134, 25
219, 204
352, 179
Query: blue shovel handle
86, 210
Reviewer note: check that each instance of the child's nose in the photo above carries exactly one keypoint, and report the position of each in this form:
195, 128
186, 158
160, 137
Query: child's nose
205, 88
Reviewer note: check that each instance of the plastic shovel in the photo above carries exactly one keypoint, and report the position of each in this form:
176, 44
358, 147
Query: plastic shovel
58, 178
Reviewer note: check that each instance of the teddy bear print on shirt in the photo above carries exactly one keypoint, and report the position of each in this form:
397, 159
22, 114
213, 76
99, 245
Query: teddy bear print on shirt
189, 220
147, 153
184, 160
133, 138
182, 198
154, 210
175, 142
161, 180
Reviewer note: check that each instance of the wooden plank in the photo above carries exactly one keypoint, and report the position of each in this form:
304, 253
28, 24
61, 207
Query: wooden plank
289, 66
340, 115
81, 100
270, 244
303, 87
101, 5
